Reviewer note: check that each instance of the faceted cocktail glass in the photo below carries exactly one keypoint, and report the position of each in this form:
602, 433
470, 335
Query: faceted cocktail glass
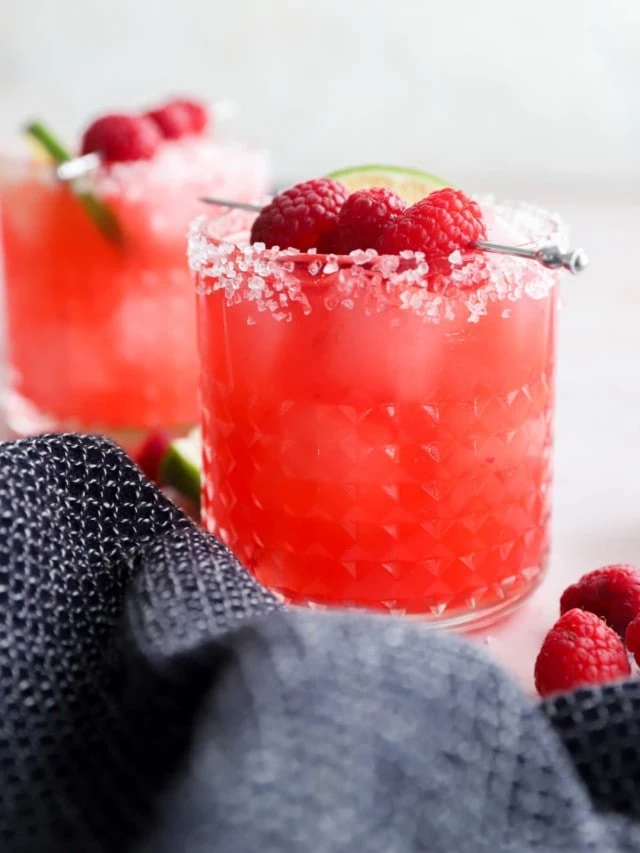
101, 336
368, 441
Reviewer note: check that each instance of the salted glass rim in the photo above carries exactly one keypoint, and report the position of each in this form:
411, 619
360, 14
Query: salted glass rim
18, 164
223, 260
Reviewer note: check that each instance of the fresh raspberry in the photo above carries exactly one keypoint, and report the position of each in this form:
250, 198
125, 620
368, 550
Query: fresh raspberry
199, 117
442, 222
632, 638
173, 120
119, 137
612, 593
579, 649
303, 216
363, 217
150, 454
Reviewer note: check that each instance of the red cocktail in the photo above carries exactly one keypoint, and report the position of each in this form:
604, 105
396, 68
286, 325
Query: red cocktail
370, 442
101, 332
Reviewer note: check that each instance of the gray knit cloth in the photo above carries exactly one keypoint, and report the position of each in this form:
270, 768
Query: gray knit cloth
153, 698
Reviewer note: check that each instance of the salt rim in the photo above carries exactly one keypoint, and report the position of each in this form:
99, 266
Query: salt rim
176, 163
223, 259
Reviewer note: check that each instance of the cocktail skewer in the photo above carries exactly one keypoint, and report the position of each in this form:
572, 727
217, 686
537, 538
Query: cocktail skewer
77, 166
550, 256
239, 205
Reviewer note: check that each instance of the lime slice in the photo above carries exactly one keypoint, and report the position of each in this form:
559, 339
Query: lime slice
101, 214
410, 184
181, 465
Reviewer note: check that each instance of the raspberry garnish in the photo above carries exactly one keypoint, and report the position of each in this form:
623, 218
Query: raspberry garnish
445, 221
364, 216
199, 117
580, 649
150, 455
120, 137
173, 119
612, 593
632, 638
303, 217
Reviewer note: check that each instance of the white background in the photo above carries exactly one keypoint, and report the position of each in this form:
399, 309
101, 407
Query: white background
534, 99
462, 87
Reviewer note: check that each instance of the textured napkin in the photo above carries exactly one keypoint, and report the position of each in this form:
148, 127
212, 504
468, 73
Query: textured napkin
153, 697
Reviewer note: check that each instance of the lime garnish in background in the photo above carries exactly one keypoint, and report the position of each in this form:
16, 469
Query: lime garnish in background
181, 464
101, 214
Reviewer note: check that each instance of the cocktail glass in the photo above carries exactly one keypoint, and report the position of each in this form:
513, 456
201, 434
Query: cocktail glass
101, 333
377, 434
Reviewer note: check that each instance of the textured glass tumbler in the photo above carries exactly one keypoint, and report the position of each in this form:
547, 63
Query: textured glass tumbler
101, 332
377, 433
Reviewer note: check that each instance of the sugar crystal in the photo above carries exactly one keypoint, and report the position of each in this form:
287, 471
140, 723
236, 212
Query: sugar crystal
358, 256
387, 265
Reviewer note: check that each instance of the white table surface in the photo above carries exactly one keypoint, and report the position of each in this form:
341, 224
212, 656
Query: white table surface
596, 518
597, 469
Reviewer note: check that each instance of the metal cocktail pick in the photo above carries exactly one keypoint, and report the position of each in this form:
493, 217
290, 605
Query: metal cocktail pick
575, 260
549, 256
77, 166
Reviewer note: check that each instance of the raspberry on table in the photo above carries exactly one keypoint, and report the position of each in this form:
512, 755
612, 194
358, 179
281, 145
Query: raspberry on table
303, 217
445, 221
150, 454
120, 137
364, 215
580, 649
173, 119
632, 638
612, 593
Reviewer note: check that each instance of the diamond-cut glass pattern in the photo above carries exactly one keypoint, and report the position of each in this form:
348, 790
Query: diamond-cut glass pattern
414, 508
373, 459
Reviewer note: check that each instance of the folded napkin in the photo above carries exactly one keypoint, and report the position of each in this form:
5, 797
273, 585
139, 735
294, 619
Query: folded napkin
154, 697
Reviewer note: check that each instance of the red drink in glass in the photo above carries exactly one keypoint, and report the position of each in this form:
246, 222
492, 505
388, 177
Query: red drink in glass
368, 442
101, 336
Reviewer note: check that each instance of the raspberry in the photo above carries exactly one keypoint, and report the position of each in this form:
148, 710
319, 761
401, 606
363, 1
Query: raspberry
442, 222
199, 118
119, 137
632, 638
150, 454
173, 120
612, 593
303, 216
579, 649
363, 217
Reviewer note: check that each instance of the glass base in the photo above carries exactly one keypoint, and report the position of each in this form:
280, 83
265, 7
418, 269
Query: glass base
456, 620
